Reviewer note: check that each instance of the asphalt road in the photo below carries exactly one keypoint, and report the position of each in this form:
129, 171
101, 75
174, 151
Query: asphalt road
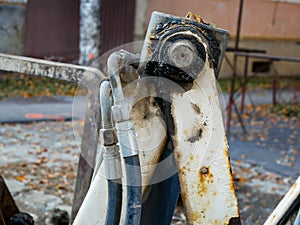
46, 108
271, 141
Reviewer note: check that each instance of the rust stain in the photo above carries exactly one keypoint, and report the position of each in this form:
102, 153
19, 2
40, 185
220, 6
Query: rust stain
195, 17
233, 220
186, 197
204, 170
232, 185
152, 37
216, 222
229, 166
205, 178
195, 216
204, 186
196, 108
182, 171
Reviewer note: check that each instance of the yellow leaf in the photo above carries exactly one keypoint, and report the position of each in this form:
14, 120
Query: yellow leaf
21, 177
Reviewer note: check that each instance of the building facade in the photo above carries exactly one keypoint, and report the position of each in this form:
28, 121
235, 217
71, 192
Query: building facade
270, 25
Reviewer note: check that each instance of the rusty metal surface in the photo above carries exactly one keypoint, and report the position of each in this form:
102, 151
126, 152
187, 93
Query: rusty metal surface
201, 153
117, 23
8, 207
204, 169
38, 67
52, 29
193, 117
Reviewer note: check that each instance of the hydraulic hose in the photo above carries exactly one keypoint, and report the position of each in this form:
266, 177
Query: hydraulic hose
114, 203
134, 190
111, 158
126, 137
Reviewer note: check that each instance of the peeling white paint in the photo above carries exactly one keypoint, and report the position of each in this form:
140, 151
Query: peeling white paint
56, 70
208, 197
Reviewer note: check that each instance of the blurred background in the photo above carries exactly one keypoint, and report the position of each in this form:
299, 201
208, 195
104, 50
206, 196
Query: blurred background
74, 31
265, 97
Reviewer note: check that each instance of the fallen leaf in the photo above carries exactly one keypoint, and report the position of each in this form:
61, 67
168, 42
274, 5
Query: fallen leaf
60, 187
21, 177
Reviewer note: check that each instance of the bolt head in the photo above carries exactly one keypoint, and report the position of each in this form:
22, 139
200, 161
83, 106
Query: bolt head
182, 54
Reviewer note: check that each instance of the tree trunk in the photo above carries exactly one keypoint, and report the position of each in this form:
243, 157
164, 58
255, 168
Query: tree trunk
90, 30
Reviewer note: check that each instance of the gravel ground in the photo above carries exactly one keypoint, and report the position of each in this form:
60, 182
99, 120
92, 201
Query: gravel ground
38, 162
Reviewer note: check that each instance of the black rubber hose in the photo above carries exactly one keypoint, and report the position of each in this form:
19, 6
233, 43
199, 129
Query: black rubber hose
114, 202
134, 190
